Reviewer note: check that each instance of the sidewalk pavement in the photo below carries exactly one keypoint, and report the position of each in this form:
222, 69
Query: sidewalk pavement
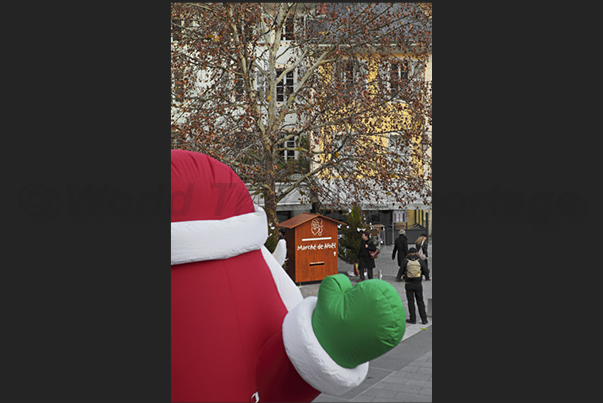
404, 373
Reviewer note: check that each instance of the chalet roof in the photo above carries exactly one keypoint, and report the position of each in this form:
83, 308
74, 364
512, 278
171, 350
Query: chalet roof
304, 217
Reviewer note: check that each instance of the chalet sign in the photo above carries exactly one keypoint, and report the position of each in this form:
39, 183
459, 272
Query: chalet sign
320, 246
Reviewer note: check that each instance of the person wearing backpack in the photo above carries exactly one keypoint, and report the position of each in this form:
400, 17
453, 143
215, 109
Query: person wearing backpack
421, 244
414, 268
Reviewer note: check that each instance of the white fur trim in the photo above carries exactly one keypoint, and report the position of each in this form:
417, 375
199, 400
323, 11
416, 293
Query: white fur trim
280, 252
310, 360
290, 294
195, 241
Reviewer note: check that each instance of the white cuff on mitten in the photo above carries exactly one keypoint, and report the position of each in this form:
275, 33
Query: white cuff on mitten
310, 360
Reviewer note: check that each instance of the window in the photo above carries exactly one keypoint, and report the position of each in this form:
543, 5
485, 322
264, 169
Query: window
248, 32
176, 29
372, 216
239, 88
283, 215
344, 72
288, 30
289, 154
352, 73
348, 74
394, 142
177, 86
394, 77
398, 77
285, 86
259, 83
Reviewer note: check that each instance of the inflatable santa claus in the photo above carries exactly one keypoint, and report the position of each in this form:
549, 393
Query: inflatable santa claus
240, 328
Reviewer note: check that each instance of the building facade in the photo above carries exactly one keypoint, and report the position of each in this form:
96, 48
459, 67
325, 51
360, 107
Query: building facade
301, 199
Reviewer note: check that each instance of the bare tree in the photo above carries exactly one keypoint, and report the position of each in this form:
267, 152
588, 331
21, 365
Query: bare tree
326, 98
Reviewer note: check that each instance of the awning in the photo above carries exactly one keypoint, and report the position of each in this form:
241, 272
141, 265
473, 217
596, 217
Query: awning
380, 201
294, 201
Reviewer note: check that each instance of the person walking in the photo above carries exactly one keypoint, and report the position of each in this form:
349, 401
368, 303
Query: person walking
364, 259
401, 247
421, 244
414, 268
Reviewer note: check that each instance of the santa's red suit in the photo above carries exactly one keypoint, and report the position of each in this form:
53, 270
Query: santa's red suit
240, 328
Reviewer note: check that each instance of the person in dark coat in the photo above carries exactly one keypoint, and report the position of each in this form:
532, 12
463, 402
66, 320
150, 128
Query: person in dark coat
364, 259
401, 247
414, 287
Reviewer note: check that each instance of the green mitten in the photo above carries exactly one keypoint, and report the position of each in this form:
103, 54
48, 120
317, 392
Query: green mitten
357, 324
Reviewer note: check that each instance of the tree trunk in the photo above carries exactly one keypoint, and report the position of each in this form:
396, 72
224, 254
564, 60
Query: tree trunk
270, 203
